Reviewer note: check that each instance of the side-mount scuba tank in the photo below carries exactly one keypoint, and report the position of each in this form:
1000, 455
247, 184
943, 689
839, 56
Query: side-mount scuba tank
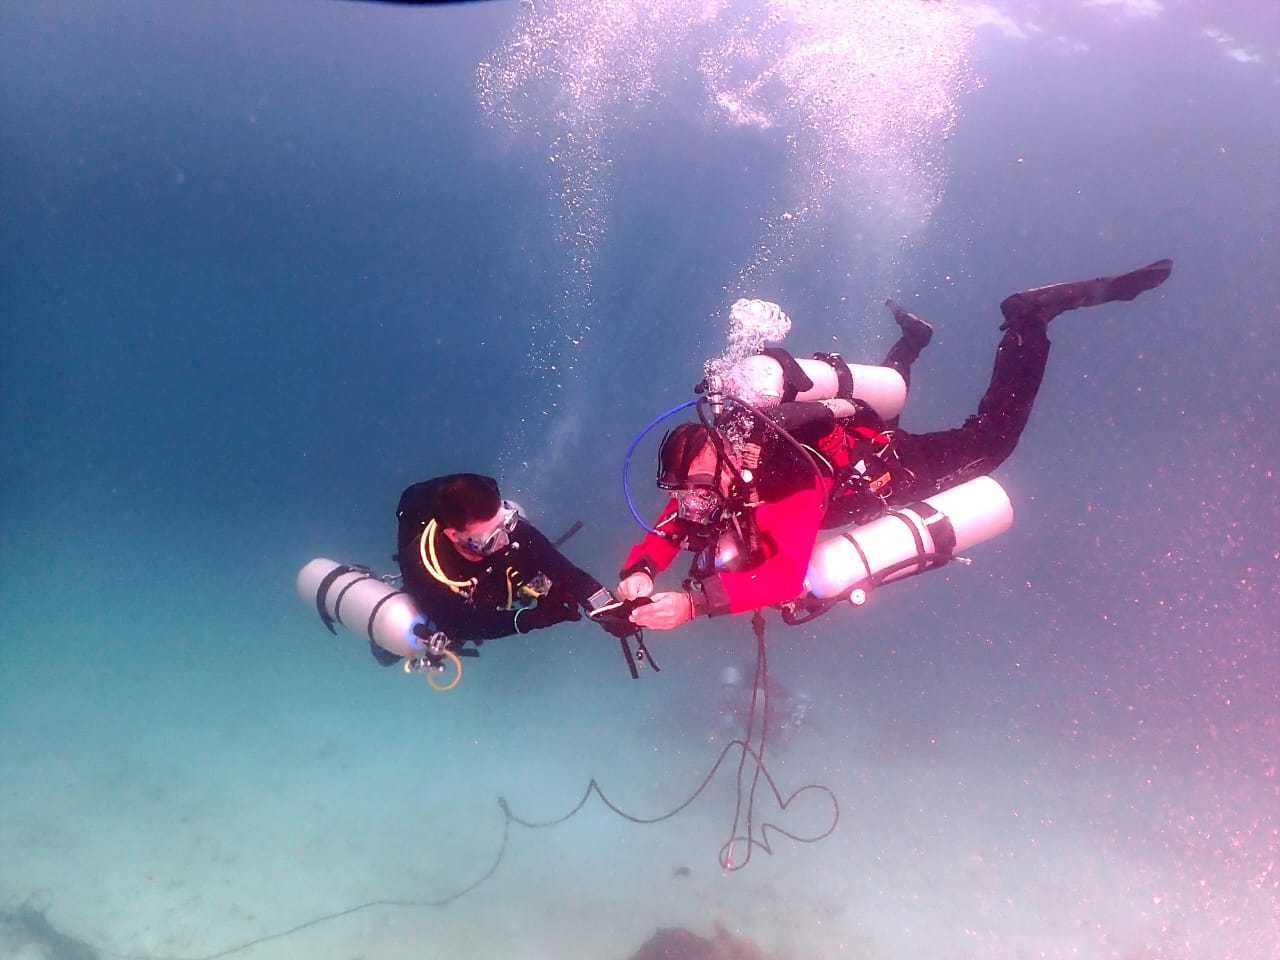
909, 540
364, 604
370, 607
773, 376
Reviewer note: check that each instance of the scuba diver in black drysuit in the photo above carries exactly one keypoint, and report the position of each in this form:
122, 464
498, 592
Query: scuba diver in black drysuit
479, 570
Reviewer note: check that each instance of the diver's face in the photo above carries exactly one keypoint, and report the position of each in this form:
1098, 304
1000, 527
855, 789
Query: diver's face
484, 538
701, 499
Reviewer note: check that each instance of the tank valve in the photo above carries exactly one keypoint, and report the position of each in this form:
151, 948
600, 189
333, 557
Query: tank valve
434, 646
713, 387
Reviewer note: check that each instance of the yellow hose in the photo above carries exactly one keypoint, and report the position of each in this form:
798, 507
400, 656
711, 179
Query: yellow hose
457, 666
432, 563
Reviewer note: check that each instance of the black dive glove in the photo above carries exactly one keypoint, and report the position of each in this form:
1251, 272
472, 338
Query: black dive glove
554, 607
619, 628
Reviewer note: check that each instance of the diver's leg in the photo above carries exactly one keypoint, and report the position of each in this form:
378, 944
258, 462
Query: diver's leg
1005, 408
930, 462
916, 334
1039, 306
1024, 350
939, 460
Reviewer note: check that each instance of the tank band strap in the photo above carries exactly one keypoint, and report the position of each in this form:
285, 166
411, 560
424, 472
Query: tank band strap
941, 532
794, 379
340, 570
373, 614
337, 603
844, 376
862, 554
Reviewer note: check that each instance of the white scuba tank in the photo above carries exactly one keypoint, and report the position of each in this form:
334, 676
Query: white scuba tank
953, 520
364, 604
759, 381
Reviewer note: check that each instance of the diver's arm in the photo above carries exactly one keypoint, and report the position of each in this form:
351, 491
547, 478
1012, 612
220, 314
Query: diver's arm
655, 552
547, 558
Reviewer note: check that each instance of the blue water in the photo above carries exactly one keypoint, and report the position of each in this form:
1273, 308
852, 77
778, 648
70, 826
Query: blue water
264, 265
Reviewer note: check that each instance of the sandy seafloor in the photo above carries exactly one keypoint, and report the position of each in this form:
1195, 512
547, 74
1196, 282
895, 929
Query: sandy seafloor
181, 808
263, 266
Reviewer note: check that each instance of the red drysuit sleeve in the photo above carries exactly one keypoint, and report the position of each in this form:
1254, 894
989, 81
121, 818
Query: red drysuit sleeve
654, 553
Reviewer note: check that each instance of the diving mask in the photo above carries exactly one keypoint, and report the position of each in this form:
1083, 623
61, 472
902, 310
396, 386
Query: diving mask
499, 538
698, 505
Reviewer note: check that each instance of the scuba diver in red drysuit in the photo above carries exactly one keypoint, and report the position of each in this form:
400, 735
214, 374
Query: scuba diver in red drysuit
750, 511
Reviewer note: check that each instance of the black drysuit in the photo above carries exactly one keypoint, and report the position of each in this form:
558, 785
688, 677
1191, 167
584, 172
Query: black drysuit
503, 583
905, 467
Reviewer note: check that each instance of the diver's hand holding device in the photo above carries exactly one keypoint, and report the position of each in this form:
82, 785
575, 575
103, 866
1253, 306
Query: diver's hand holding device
616, 616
